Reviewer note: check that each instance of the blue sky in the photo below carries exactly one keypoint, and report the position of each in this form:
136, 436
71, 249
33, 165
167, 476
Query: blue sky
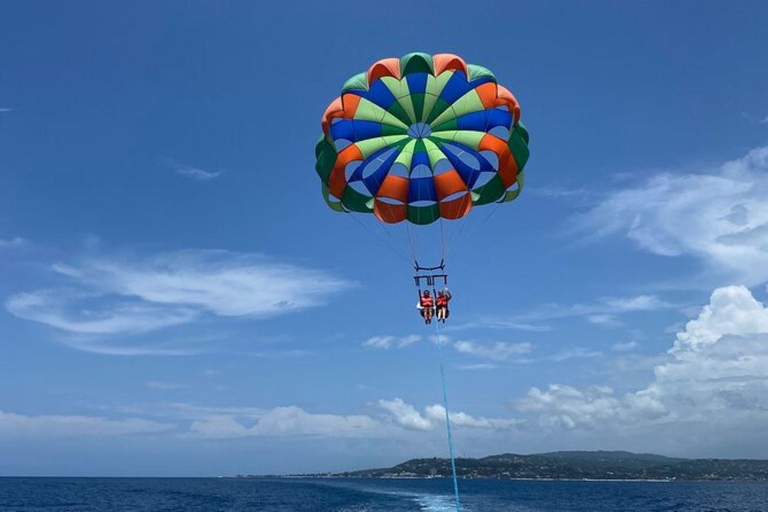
177, 299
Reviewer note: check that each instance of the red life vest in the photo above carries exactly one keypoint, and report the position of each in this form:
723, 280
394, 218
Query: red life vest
426, 302
442, 300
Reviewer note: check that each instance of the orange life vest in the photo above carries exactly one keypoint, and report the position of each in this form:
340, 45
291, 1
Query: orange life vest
426, 302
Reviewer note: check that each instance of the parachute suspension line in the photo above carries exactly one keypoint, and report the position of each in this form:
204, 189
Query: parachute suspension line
411, 243
447, 418
389, 245
442, 239
394, 242
482, 222
457, 234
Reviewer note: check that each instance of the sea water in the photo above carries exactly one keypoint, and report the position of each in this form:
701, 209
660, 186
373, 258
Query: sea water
370, 495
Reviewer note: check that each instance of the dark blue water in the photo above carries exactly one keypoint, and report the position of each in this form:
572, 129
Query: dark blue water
364, 495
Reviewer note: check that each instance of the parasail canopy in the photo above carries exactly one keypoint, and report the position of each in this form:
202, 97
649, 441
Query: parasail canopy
421, 138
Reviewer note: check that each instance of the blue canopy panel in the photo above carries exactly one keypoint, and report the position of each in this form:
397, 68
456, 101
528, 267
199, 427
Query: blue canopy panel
417, 83
375, 168
355, 130
380, 95
484, 120
456, 87
468, 173
421, 189
419, 158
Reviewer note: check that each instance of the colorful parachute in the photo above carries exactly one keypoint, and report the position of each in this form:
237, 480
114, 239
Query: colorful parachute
421, 138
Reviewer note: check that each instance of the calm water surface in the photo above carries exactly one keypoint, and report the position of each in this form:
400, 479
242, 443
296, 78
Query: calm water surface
368, 495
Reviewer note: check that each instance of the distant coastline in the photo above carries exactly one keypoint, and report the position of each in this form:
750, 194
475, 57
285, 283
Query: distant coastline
598, 466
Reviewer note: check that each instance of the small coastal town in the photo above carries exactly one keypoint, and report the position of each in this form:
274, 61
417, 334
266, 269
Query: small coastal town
578, 465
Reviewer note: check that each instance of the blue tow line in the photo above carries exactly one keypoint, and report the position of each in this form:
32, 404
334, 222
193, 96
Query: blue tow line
447, 418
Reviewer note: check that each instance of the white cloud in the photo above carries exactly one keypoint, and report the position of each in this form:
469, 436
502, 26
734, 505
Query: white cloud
731, 310
50, 307
714, 379
603, 308
54, 426
604, 320
289, 421
5, 109
199, 174
624, 347
436, 413
574, 353
405, 415
495, 323
591, 407
386, 342
477, 366
498, 351
123, 297
720, 217
604, 311
408, 417
193, 172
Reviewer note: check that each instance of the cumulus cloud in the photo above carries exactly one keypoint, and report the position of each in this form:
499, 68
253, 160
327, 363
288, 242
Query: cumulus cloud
292, 421
54, 426
498, 351
408, 417
436, 413
591, 407
405, 414
719, 217
386, 342
715, 376
123, 297
731, 311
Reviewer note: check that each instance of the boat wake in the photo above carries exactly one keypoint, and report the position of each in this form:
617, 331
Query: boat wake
436, 503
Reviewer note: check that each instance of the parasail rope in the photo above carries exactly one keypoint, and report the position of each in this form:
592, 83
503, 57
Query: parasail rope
447, 418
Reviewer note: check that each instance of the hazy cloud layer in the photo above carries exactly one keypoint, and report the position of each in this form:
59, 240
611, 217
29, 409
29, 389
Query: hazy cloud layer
391, 341
497, 351
719, 217
107, 297
55, 426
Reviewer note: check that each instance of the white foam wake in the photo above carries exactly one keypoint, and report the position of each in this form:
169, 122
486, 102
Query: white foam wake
435, 503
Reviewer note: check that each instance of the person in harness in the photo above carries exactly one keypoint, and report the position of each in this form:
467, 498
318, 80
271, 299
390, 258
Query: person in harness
443, 296
426, 306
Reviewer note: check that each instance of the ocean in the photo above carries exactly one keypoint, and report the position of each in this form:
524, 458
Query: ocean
370, 495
